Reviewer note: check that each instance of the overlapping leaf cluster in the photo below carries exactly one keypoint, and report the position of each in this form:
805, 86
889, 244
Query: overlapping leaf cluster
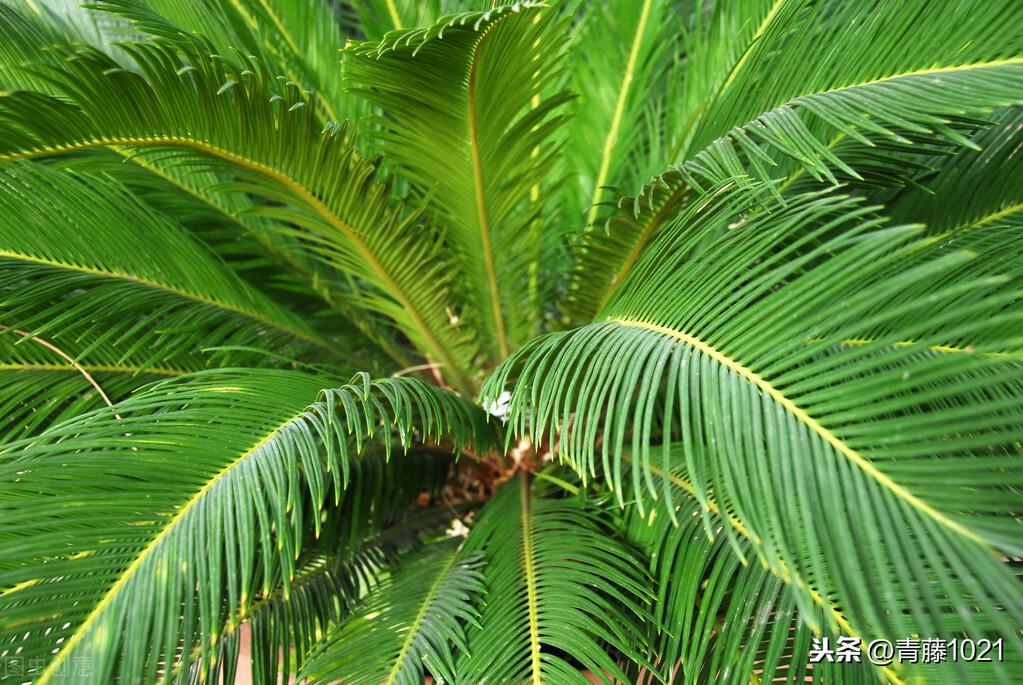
741, 279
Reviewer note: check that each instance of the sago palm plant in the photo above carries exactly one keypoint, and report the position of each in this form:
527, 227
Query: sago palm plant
612, 340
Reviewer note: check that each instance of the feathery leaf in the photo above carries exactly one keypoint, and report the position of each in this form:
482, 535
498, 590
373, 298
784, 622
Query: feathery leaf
476, 147
408, 623
814, 71
188, 99
806, 352
559, 588
192, 483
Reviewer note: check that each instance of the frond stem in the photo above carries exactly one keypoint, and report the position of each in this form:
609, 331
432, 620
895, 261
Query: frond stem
481, 202
393, 11
529, 566
616, 118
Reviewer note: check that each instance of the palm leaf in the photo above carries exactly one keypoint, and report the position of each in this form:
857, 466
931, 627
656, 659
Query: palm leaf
357, 545
561, 591
716, 618
479, 149
814, 72
757, 350
328, 590
187, 99
411, 620
101, 271
28, 25
987, 182
298, 39
195, 194
263, 252
621, 65
199, 480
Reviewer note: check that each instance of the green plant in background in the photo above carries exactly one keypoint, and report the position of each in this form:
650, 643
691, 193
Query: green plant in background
279, 327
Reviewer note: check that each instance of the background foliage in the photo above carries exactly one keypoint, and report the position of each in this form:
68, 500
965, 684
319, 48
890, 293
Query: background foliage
699, 321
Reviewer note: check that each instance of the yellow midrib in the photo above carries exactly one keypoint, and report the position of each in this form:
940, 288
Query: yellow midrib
388, 283
525, 505
481, 201
704, 106
947, 349
918, 72
995, 216
174, 290
393, 11
95, 368
761, 29
865, 465
310, 276
392, 677
68, 645
280, 26
785, 574
619, 111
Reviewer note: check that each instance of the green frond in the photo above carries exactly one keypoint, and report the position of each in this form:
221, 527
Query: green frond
621, 66
85, 265
978, 187
356, 547
788, 235
23, 44
198, 482
32, 27
297, 39
902, 463
479, 148
194, 192
812, 73
719, 616
408, 624
328, 590
562, 592
715, 39
264, 253
824, 57
314, 180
